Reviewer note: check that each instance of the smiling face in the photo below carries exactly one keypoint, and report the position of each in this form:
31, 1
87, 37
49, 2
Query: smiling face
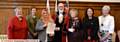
33, 11
44, 13
105, 10
89, 12
18, 12
61, 7
73, 13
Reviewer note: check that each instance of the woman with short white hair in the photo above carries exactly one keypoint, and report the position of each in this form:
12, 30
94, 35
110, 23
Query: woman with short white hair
17, 26
106, 23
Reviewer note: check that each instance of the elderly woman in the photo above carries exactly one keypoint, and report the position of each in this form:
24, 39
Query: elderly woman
17, 26
106, 23
42, 25
74, 28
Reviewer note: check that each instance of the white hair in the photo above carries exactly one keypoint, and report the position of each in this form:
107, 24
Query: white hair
106, 7
17, 8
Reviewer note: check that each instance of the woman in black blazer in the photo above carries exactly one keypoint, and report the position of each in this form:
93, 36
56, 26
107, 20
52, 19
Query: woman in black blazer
91, 26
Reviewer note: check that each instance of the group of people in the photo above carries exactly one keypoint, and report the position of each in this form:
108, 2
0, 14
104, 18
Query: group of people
68, 27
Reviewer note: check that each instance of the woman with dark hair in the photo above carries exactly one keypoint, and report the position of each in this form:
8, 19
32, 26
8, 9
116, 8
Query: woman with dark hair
91, 26
31, 21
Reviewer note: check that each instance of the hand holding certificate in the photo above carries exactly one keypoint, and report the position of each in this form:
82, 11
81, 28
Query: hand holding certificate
57, 29
71, 29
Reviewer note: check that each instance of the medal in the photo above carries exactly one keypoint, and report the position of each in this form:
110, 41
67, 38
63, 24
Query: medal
102, 24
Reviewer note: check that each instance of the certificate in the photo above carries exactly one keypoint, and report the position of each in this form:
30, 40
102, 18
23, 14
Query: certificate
50, 28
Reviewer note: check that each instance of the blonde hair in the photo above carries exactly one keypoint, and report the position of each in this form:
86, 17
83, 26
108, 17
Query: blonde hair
74, 10
49, 18
106, 7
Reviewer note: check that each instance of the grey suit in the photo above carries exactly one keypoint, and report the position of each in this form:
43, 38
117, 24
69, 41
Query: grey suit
41, 31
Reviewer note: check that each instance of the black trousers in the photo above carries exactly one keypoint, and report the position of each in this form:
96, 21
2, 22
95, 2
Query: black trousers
77, 36
58, 36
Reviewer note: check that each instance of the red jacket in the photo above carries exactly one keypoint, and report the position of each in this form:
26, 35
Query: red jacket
17, 29
66, 23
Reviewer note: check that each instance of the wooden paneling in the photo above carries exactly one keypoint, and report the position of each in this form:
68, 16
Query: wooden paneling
7, 9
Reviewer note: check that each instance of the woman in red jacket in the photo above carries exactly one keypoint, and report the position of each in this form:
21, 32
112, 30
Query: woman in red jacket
17, 26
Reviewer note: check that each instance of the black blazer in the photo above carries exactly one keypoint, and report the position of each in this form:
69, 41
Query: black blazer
57, 21
78, 25
58, 34
92, 24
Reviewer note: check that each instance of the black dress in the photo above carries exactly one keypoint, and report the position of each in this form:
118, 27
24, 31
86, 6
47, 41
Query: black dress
91, 27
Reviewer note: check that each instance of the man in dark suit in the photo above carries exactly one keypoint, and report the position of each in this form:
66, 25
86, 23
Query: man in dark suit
59, 23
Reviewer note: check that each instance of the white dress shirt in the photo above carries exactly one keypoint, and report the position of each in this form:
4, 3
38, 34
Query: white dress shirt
106, 23
60, 18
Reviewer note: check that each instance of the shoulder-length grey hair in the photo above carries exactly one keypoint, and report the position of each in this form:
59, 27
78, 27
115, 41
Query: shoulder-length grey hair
74, 10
